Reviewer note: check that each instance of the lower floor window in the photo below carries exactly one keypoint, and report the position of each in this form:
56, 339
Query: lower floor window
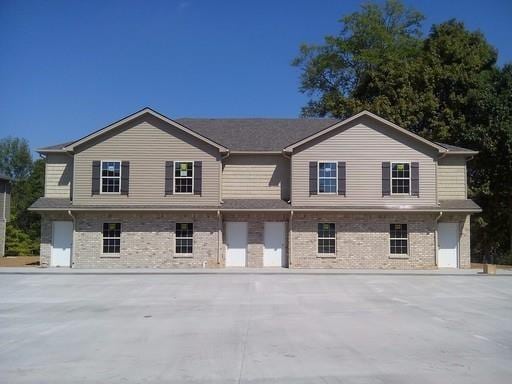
111, 237
184, 237
398, 239
326, 238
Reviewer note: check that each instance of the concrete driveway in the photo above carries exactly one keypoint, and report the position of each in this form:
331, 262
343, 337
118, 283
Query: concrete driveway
255, 328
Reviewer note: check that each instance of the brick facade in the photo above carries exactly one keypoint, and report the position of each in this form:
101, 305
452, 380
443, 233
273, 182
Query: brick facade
148, 240
362, 241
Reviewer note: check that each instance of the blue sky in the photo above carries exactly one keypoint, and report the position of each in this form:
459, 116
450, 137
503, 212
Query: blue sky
70, 67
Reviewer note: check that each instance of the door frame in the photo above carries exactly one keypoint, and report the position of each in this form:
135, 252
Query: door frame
284, 258
227, 244
72, 241
438, 247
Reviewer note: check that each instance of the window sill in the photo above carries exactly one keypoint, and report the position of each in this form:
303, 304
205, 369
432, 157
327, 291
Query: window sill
398, 257
183, 256
326, 255
110, 256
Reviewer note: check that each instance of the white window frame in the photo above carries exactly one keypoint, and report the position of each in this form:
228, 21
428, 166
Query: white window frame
111, 254
176, 254
399, 178
113, 177
174, 176
318, 177
399, 238
330, 254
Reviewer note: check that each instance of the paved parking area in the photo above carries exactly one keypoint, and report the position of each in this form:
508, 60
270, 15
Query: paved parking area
255, 328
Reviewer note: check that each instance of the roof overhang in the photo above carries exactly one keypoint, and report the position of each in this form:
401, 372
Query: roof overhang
345, 122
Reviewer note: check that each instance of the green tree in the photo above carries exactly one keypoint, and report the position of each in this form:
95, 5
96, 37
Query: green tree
23, 230
15, 158
371, 64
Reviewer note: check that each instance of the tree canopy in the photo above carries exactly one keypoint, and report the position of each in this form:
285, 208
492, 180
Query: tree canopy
27, 178
445, 86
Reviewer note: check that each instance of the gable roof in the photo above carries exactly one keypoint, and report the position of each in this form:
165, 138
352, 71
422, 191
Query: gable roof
255, 134
72, 145
372, 116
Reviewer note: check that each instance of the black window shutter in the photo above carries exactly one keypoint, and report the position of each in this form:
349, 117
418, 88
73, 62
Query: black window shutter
386, 179
198, 177
415, 179
342, 178
169, 173
125, 177
313, 178
95, 190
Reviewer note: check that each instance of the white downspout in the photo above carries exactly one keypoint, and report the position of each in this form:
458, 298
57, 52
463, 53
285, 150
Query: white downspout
219, 236
290, 239
72, 239
436, 235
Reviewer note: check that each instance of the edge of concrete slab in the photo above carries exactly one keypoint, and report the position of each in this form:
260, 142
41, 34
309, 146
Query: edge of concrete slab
246, 271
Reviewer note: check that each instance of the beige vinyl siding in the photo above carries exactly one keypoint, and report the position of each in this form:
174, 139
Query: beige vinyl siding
363, 146
256, 176
147, 143
451, 176
58, 175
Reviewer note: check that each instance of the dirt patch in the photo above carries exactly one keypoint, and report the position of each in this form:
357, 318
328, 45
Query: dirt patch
19, 261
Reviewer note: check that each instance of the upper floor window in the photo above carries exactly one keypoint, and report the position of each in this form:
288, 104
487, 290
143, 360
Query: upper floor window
110, 176
326, 238
184, 176
400, 178
398, 239
327, 177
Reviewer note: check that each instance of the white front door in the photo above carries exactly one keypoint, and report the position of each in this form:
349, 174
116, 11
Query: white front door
236, 241
273, 253
61, 243
448, 244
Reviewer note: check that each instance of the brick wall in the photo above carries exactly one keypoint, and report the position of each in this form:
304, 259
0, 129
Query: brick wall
362, 241
147, 240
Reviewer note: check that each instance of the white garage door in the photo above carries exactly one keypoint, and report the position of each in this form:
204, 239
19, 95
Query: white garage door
448, 244
273, 254
236, 242
61, 243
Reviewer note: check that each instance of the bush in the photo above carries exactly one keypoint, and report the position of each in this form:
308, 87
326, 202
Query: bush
504, 259
18, 243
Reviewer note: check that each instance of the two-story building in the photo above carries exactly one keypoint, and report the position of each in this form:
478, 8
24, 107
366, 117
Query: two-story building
148, 191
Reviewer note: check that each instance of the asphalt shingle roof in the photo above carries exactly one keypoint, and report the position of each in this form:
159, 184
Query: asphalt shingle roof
256, 134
